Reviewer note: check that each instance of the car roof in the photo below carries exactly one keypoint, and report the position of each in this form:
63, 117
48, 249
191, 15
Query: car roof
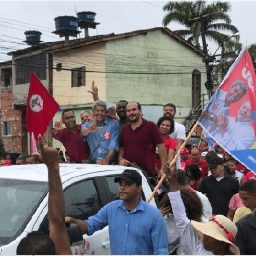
38, 172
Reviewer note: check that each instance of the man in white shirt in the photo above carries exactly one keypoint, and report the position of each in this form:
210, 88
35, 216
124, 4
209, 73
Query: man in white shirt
179, 133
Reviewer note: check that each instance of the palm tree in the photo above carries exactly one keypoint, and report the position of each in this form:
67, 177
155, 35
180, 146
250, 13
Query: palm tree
202, 21
229, 52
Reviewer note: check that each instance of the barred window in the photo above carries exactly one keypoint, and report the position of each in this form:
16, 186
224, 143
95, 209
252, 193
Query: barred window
25, 66
78, 77
7, 128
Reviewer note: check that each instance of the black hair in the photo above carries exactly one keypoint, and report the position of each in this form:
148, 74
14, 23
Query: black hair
125, 101
192, 203
67, 110
21, 157
170, 105
139, 106
182, 178
36, 243
210, 155
194, 172
249, 186
166, 118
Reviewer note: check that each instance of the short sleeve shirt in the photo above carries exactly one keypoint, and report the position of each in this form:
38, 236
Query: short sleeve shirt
139, 145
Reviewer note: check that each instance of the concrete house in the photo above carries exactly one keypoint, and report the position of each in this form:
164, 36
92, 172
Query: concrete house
152, 66
10, 119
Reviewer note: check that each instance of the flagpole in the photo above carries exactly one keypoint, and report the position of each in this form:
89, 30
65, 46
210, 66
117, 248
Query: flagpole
172, 162
28, 143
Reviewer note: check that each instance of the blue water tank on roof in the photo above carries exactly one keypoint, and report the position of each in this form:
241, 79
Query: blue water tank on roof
66, 25
32, 37
86, 16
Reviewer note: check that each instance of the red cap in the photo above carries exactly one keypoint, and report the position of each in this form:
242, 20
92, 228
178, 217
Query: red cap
184, 151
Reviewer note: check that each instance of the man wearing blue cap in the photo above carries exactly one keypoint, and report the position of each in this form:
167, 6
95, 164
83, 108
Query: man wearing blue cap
135, 227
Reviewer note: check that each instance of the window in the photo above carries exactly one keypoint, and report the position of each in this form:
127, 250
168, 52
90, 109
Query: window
25, 66
18, 199
196, 88
78, 77
113, 187
81, 200
7, 128
6, 75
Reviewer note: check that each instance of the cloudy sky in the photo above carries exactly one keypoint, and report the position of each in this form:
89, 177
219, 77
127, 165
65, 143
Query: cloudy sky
114, 16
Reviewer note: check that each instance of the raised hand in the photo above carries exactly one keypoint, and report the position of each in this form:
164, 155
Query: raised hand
93, 126
171, 177
49, 155
94, 91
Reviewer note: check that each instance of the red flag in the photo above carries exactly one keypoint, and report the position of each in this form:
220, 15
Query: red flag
41, 107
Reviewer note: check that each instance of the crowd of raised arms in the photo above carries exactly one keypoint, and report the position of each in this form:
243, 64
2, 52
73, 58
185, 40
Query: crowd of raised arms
206, 204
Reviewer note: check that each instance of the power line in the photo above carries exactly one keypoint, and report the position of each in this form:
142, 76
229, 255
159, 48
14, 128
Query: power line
25, 23
108, 72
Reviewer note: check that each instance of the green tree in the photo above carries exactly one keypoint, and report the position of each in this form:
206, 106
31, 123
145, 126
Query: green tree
202, 21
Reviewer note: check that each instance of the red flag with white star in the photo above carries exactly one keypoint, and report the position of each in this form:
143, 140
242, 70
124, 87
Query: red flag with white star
41, 107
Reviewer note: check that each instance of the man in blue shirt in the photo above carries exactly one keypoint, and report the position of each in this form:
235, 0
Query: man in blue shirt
101, 134
135, 227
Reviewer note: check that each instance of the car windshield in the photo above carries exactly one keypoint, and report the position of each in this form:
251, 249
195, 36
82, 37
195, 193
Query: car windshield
18, 200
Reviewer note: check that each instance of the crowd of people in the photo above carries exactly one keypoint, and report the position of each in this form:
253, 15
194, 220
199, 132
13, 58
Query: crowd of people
206, 204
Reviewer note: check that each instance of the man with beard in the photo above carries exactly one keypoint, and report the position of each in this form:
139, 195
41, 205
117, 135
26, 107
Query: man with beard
70, 137
179, 133
138, 142
135, 227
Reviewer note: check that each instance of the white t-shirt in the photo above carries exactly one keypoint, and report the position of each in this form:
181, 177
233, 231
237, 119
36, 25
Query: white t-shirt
207, 208
179, 133
238, 176
190, 242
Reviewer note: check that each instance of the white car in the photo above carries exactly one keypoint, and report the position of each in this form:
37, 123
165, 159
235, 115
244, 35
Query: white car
24, 198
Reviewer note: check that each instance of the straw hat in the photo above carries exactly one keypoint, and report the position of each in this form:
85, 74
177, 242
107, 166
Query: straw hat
218, 227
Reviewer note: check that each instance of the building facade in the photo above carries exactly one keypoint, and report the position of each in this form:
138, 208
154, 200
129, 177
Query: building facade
152, 66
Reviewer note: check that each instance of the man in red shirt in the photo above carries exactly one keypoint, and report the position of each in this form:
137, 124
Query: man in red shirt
70, 137
138, 142
196, 159
184, 156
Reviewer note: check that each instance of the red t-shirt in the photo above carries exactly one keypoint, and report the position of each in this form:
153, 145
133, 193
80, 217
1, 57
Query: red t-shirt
139, 145
183, 163
170, 143
76, 148
203, 166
